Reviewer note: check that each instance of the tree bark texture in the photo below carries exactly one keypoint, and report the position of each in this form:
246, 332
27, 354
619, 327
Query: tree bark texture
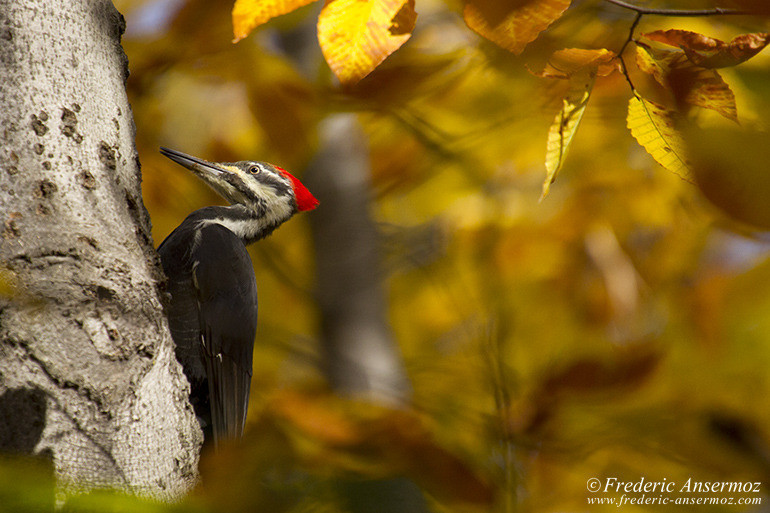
87, 372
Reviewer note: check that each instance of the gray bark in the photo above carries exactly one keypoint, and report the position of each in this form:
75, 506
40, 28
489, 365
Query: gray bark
87, 372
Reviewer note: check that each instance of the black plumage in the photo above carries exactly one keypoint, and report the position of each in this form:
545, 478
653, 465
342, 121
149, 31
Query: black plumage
212, 311
213, 316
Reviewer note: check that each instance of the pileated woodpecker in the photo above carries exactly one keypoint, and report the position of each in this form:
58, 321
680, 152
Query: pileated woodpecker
213, 309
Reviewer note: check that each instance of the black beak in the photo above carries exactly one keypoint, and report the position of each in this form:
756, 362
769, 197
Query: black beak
200, 167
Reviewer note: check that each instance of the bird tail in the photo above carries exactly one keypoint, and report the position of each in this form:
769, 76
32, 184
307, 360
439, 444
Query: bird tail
229, 386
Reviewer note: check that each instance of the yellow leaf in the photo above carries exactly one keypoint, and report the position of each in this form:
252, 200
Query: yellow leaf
512, 24
565, 125
690, 84
653, 126
249, 14
656, 62
357, 35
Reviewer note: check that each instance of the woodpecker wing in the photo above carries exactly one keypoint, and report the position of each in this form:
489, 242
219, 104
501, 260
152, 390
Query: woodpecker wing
226, 291
183, 316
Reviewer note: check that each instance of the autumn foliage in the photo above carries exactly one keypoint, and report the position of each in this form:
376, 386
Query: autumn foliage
357, 36
571, 201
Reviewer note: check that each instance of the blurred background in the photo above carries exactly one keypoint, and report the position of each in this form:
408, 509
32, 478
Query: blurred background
434, 337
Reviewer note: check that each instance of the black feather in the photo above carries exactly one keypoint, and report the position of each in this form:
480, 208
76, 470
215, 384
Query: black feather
210, 273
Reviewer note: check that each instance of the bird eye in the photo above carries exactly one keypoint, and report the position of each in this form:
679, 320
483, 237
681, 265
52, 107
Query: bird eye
254, 170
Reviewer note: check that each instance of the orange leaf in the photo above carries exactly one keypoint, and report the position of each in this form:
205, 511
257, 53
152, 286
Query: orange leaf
512, 24
690, 84
249, 14
684, 38
567, 62
712, 53
396, 440
314, 416
357, 35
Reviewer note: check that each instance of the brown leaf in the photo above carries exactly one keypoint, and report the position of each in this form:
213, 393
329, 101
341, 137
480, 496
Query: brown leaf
628, 369
684, 38
621, 373
567, 62
712, 53
512, 24
690, 84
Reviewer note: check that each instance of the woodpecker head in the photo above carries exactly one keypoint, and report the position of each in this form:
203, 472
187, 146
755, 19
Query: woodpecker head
269, 191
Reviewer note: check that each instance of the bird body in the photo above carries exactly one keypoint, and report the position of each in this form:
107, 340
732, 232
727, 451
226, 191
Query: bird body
212, 310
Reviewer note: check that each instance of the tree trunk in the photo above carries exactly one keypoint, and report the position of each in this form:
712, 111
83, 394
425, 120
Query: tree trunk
87, 372
358, 347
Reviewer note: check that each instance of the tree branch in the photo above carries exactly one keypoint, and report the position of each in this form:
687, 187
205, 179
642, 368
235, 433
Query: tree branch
716, 11
630, 38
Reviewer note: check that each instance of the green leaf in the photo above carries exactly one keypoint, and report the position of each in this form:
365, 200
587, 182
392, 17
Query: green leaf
654, 127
